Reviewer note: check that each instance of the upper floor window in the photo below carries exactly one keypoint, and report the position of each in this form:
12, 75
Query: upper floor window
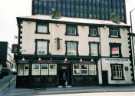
115, 49
42, 28
71, 30
114, 32
117, 72
42, 47
94, 49
93, 31
71, 48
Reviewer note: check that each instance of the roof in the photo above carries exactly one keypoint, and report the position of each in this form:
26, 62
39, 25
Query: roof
75, 20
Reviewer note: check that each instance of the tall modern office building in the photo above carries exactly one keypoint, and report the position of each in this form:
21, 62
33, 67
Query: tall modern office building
93, 9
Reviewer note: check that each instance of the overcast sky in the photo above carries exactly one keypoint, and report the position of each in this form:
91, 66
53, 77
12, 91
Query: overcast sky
10, 9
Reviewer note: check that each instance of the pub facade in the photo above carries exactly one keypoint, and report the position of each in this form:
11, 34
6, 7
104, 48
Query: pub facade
72, 52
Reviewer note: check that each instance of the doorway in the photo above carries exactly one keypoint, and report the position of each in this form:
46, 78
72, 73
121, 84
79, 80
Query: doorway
105, 77
64, 74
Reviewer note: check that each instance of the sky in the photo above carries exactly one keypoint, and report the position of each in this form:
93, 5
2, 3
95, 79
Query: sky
10, 9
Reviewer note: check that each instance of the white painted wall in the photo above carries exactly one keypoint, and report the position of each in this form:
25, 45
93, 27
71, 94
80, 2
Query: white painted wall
127, 74
58, 30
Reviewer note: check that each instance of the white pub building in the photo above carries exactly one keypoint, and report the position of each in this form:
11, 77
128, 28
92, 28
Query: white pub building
72, 52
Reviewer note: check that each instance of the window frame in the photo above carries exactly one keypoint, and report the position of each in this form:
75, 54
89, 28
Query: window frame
96, 27
118, 78
23, 71
115, 44
97, 49
114, 28
80, 69
76, 28
36, 45
42, 23
77, 53
46, 71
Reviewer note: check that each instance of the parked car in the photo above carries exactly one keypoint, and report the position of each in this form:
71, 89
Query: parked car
5, 71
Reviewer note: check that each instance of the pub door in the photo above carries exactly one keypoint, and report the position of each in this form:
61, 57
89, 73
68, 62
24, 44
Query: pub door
105, 77
64, 74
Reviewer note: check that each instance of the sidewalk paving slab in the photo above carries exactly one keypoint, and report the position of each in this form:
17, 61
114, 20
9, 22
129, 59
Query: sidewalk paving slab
72, 90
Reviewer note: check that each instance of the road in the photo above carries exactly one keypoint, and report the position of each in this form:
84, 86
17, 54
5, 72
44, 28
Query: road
96, 94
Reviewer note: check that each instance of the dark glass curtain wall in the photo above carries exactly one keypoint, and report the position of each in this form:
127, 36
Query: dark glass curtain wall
95, 9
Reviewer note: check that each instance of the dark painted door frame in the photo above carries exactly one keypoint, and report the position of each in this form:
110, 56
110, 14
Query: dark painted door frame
61, 71
104, 77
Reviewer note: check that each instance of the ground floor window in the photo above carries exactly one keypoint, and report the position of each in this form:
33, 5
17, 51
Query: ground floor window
23, 69
84, 69
117, 72
44, 69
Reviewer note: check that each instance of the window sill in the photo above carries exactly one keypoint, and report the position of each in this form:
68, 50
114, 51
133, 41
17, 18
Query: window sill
42, 33
93, 36
116, 56
118, 79
115, 37
70, 35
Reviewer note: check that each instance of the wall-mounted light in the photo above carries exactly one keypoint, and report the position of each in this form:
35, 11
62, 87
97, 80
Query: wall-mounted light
92, 60
65, 60
81, 60
39, 59
23, 59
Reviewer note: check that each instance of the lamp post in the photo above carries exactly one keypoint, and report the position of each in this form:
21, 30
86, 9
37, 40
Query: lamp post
131, 19
132, 43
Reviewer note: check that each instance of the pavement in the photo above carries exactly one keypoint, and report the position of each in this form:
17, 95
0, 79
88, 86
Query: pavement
72, 90
7, 83
97, 94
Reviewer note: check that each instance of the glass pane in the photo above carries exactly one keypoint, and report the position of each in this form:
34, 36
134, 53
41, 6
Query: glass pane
42, 28
44, 69
20, 69
71, 30
117, 71
94, 49
35, 66
44, 66
76, 66
92, 69
52, 69
35, 69
114, 32
71, 48
115, 51
93, 31
42, 47
84, 66
26, 69
84, 72
76, 72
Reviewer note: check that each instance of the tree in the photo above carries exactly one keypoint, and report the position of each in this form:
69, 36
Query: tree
114, 17
56, 14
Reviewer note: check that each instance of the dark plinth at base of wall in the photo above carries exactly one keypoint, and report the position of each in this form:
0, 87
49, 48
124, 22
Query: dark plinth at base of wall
52, 81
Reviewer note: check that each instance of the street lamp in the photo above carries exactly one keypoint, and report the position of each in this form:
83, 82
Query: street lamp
132, 43
131, 19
